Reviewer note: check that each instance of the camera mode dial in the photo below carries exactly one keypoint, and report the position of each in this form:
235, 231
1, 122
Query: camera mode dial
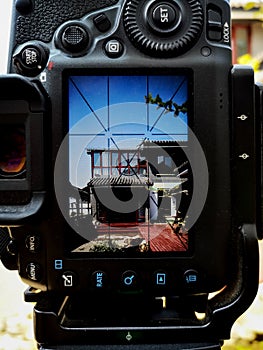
166, 28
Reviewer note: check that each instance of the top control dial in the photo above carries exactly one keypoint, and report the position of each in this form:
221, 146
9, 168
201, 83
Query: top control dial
166, 28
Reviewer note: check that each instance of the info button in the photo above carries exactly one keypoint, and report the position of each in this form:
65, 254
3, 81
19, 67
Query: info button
33, 243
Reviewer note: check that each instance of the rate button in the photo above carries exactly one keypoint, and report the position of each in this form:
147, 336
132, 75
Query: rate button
99, 280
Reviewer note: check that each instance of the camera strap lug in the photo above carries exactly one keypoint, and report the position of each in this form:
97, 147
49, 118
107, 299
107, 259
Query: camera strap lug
33, 295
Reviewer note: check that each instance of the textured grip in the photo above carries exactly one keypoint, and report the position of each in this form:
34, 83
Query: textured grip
47, 15
4, 240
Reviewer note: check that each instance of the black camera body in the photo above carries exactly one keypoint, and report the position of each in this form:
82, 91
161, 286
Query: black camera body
138, 167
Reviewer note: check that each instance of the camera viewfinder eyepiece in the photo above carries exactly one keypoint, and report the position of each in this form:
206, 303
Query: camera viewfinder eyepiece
12, 151
22, 109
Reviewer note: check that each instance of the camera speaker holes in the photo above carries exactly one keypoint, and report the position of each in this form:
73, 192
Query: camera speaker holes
221, 100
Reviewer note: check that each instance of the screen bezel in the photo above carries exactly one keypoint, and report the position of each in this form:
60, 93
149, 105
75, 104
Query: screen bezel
125, 72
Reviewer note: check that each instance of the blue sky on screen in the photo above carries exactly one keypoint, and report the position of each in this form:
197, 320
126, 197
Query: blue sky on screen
111, 113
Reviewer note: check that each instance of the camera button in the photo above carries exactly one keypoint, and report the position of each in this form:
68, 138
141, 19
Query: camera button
75, 38
129, 279
160, 279
69, 279
191, 278
99, 280
102, 23
34, 271
164, 16
114, 48
215, 27
31, 59
24, 6
33, 243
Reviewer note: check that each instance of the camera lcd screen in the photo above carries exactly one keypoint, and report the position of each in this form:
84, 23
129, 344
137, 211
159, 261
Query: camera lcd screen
130, 177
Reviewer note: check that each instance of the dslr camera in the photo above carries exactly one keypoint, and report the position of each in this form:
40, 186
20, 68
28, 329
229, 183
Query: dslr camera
130, 172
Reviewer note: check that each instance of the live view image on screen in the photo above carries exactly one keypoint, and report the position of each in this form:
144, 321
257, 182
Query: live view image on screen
127, 163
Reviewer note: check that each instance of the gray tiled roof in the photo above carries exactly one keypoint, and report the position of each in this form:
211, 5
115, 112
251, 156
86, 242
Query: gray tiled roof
119, 181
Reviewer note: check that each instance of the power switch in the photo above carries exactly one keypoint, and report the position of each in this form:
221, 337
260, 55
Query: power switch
214, 25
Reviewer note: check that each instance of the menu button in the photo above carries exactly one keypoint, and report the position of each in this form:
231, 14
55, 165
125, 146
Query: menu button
34, 271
